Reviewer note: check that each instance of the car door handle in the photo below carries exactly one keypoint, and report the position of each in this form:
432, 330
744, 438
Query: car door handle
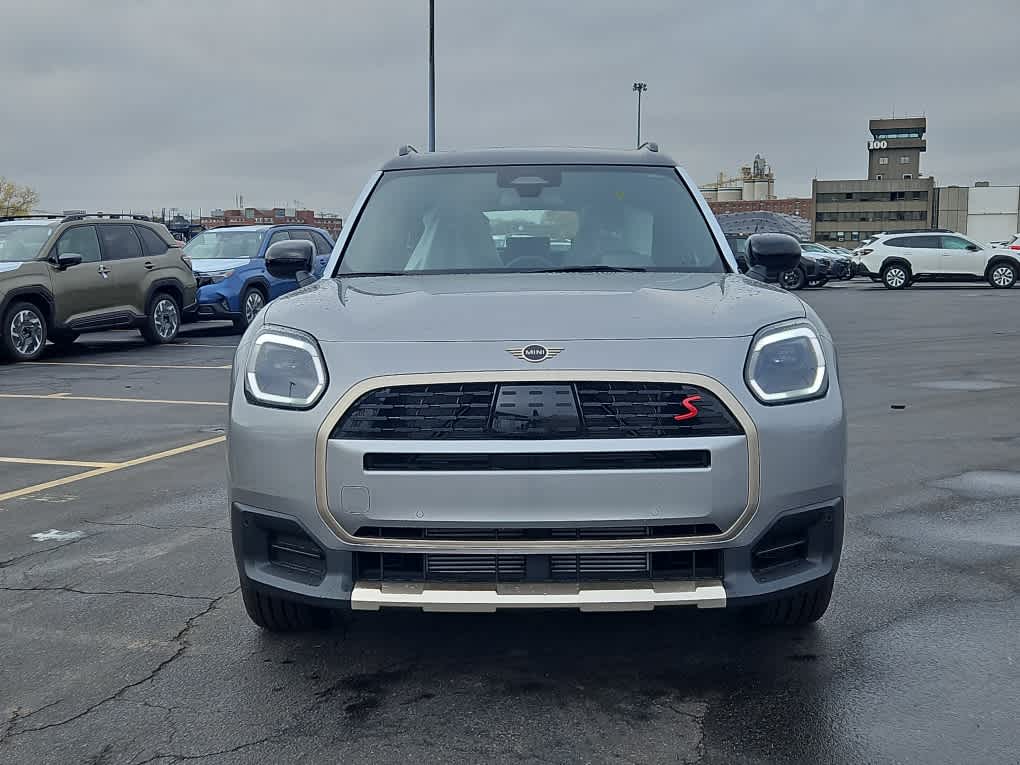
103, 270
149, 265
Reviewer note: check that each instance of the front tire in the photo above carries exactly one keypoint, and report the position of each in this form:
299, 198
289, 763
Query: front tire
278, 615
1002, 276
818, 282
252, 301
795, 279
896, 276
798, 610
163, 321
23, 336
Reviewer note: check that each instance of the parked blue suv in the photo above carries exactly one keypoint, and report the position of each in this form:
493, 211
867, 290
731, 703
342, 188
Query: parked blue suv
230, 267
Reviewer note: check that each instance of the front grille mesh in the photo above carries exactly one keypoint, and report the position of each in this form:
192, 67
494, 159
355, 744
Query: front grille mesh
461, 411
675, 565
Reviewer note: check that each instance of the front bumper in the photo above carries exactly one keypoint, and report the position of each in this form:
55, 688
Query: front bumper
809, 541
214, 304
285, 472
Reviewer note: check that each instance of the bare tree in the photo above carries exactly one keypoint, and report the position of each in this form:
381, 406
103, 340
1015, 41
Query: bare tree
15, 199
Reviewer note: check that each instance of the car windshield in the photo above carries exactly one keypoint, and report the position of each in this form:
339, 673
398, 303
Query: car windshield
21, 243
531, 218
224, 245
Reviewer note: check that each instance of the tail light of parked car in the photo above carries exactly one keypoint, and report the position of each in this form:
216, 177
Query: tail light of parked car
863, 252
1014, 247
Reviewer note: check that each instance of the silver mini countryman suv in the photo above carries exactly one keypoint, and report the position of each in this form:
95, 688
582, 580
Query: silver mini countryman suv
535, 379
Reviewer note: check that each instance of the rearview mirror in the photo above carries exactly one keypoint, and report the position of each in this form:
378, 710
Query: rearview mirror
68, 259
769, 255
285, 260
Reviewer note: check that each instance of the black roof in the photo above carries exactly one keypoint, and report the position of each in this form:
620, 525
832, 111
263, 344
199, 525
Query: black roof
484, 157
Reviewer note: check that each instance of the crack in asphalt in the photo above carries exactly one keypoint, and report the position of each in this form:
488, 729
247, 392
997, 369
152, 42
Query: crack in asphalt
181, 638
77, 591
179, 527
19, 558
173, 757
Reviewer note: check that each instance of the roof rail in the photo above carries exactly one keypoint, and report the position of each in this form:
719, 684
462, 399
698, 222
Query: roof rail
114, 216
29, 216
650, 145
406, 149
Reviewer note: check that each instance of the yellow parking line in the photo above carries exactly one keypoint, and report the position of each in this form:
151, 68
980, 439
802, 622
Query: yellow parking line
71, 397
125, 366
110, 469
57, 463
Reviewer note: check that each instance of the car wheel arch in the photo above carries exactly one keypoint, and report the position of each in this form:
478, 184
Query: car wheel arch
999, 260
40, 297
171, 286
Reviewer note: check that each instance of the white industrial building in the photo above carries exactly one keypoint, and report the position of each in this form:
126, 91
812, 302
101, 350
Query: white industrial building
985, 212
755, 182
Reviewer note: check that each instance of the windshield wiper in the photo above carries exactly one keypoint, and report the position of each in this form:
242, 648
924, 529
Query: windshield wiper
588, 269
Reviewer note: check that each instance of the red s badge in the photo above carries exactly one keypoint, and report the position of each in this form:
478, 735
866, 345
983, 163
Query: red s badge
692, 410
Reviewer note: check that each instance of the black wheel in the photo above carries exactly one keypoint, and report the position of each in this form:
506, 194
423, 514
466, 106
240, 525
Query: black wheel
1002, 275
794, 279
798, 610
63, 340
896, 276
163, 320
252, 301
23, 335
278, 615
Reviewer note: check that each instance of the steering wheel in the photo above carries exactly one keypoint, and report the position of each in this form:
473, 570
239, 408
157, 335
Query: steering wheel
530, 261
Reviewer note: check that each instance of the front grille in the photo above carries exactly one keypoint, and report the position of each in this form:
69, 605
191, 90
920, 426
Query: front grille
689, 459
676, 565
501, 534
648, 410
461, 411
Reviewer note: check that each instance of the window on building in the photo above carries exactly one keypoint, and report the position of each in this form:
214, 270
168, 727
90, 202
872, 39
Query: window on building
896, 196
878, 177
907, 176
883, 160
855, 235
904, 159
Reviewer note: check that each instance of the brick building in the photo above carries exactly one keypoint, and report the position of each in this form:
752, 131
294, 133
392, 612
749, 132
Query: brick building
274, 216
792, 206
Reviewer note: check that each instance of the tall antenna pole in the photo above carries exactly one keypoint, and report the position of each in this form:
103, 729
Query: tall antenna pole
639, 88
432, 75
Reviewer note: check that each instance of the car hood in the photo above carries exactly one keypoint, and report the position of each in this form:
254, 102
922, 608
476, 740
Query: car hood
533, 307
213, 265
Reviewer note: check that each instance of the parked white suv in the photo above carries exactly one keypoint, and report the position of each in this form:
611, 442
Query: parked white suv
902, 258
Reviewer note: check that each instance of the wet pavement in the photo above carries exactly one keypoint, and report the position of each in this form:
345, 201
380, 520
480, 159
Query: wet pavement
123, 639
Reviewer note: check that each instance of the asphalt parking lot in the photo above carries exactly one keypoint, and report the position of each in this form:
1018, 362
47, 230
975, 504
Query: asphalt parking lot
123, 638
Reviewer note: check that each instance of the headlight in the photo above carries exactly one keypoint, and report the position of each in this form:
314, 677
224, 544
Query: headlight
285, 370
786, 364
218, 276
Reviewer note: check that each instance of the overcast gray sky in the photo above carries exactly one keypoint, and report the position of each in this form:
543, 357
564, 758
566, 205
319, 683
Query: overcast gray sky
149, 103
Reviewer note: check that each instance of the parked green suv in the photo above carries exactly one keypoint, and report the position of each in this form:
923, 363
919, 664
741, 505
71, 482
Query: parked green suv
61, 276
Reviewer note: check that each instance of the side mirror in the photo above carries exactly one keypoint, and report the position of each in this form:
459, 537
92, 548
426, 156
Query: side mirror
285, 260
770, 255
67, 259
973, 247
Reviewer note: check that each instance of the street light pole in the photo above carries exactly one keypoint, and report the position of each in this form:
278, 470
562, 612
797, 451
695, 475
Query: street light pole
639, 88
432, 75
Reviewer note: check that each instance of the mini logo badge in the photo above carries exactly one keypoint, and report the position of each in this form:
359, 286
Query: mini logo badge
534, 353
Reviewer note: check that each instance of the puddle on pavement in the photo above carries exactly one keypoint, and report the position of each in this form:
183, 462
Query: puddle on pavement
983, 484
965, 385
